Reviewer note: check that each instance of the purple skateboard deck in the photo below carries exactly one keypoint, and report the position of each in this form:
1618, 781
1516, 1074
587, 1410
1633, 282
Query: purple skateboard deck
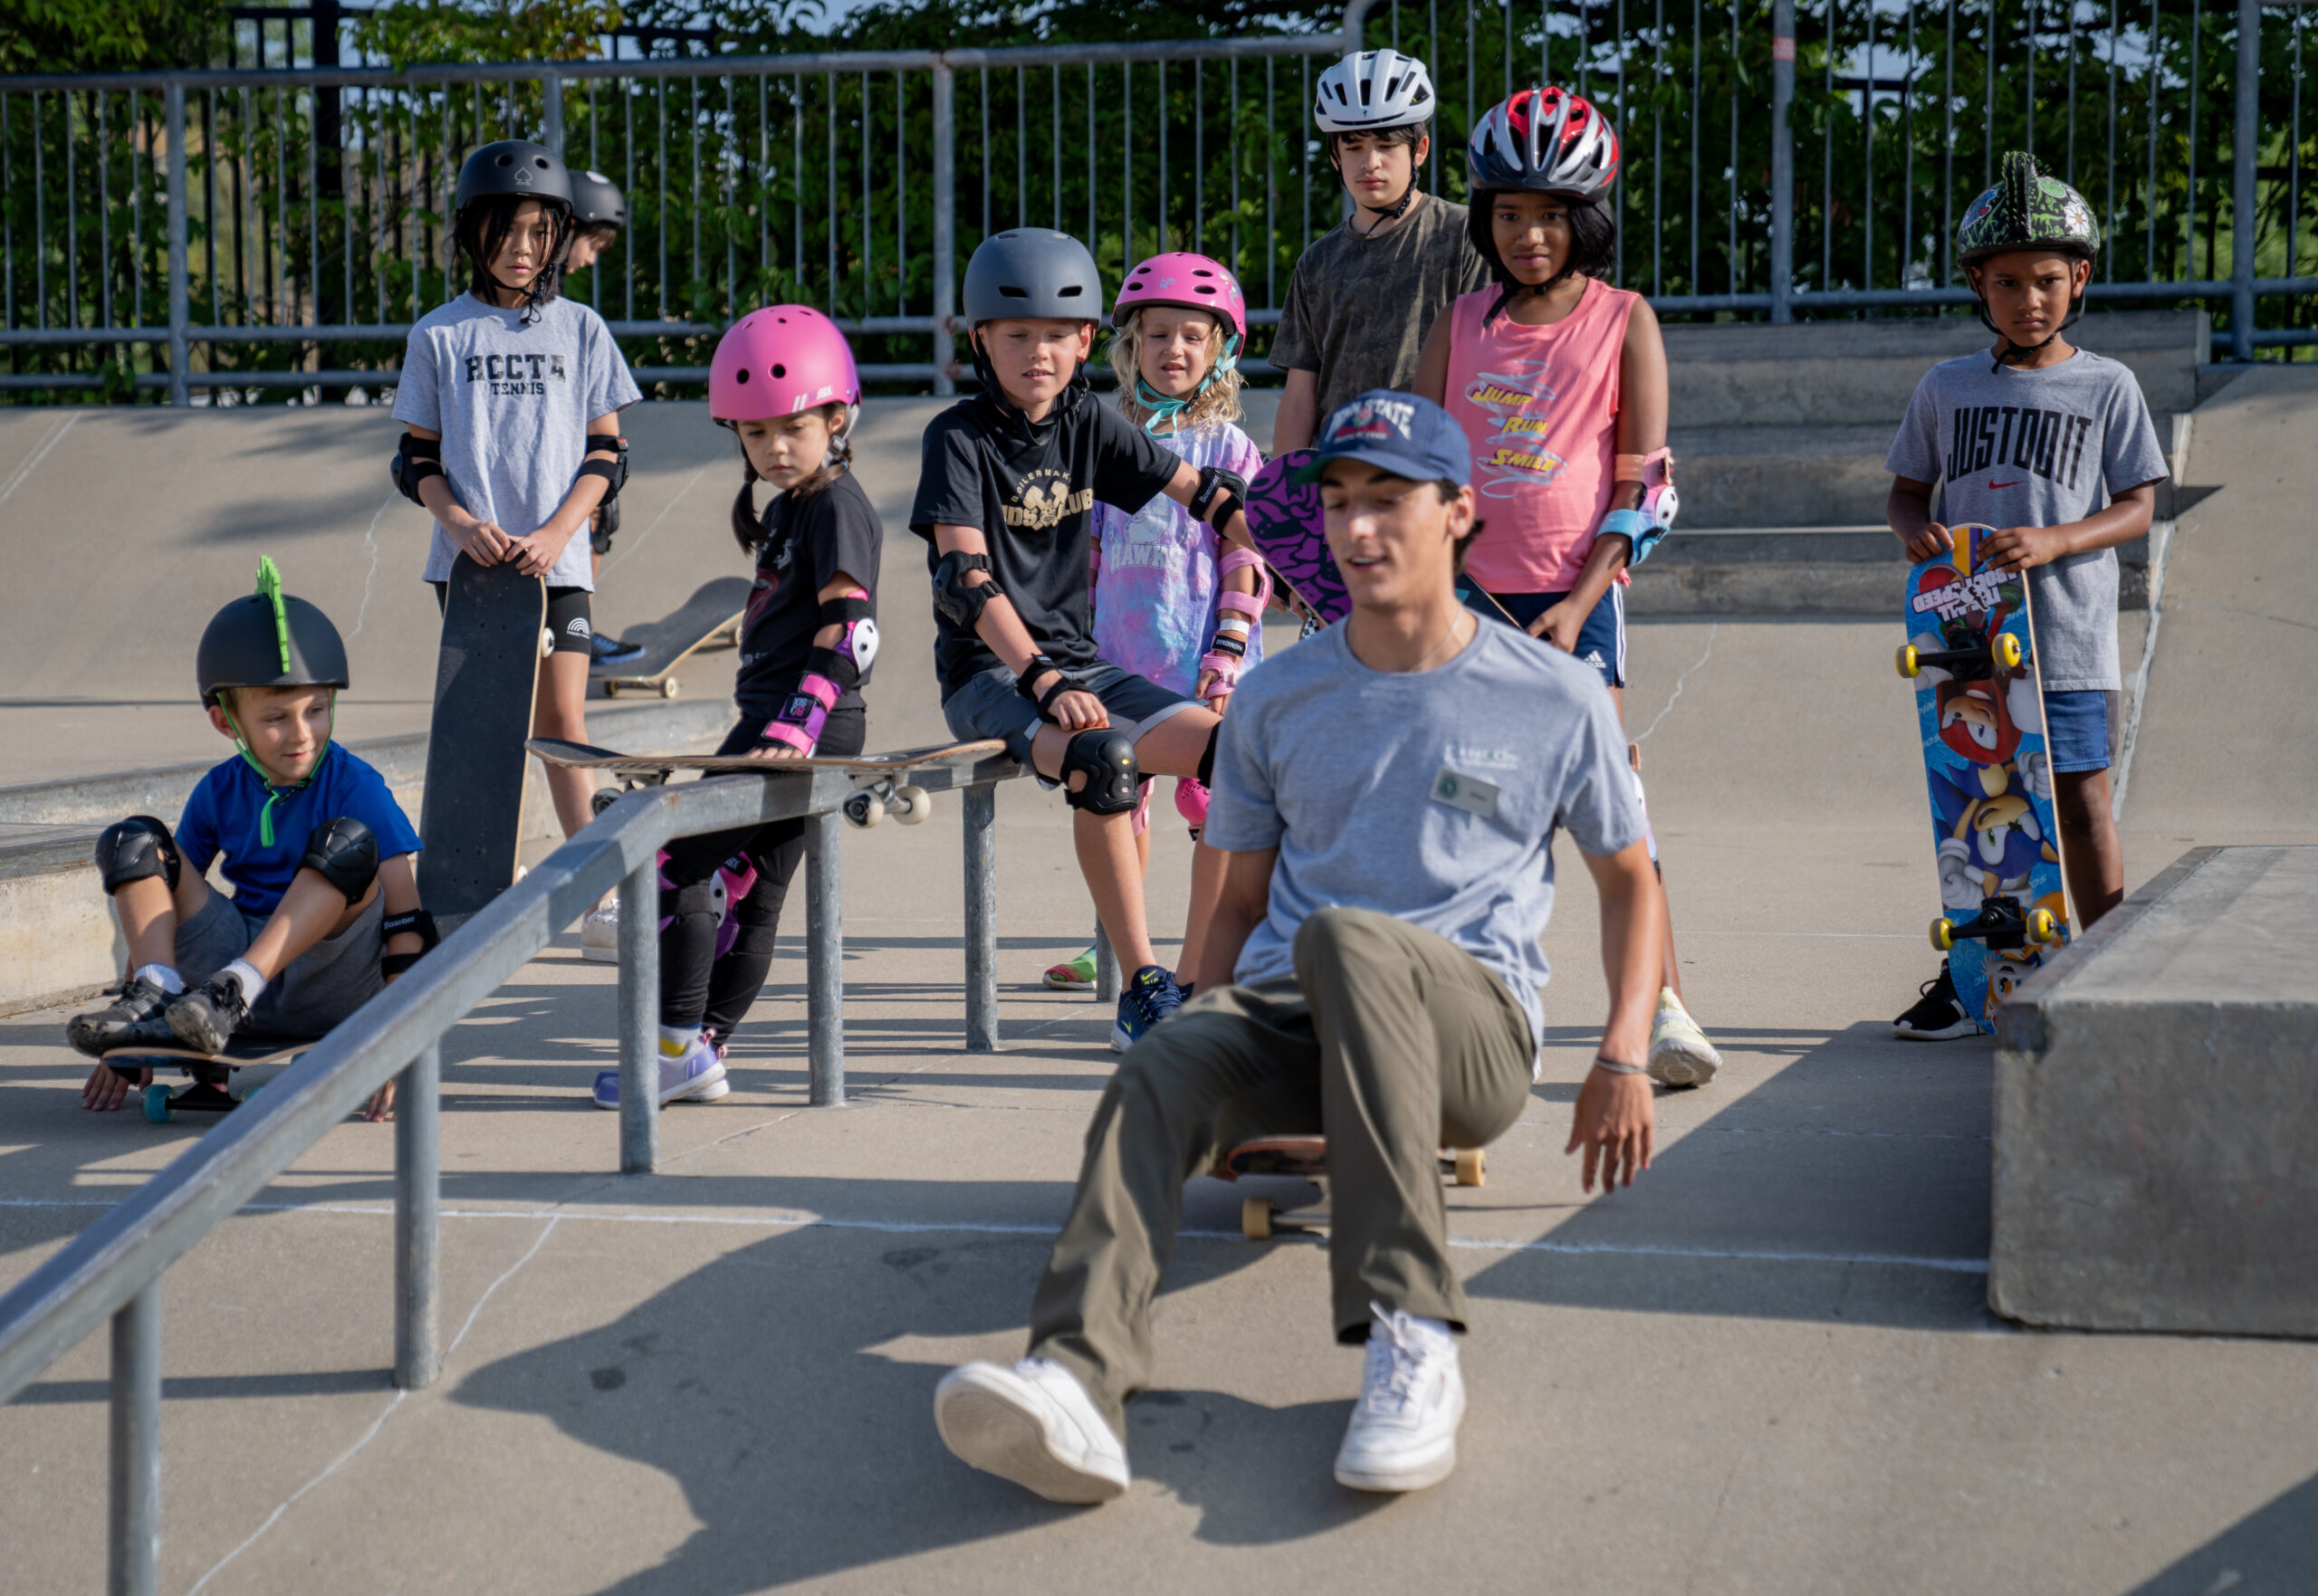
1284, 521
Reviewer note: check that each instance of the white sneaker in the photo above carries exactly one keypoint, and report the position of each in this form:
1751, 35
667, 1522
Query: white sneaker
1680, 1054
1404, 1434
695, 1073
1034, 1424
599, 933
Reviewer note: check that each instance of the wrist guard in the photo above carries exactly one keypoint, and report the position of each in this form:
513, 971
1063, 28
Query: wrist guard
1038, 665
1634, 527
960, 604
1221, 495
1235, 558
395, 925
807, 709
417, 460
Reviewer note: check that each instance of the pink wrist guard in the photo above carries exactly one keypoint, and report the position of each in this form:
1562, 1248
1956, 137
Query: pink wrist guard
799, 725
1237, 559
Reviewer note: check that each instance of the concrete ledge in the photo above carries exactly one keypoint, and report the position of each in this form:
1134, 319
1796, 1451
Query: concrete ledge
2156, 1127
57, 937
1803, 571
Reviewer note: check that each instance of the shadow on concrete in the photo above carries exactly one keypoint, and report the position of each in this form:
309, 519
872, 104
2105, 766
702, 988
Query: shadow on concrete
2274, 1549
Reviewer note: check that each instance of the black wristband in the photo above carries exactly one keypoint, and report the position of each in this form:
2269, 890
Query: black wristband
1039, 665
1230, 643
1063, 683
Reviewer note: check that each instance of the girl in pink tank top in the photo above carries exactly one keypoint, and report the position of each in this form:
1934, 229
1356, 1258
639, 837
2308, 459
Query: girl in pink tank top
1559, 382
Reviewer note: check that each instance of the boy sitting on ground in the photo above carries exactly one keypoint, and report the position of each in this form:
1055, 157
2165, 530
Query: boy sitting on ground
325, 905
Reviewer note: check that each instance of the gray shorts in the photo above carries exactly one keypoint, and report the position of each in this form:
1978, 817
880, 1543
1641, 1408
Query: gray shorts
989, 705
321, 986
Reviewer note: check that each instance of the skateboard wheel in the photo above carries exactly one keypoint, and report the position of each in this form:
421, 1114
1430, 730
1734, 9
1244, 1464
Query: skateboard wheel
604, 799
547, 642
863, 810
1943, 933
670, 687
2043, 927
913, 805
1255, 1219
1906, 661
156, 1104
1472, 1166
611, 690
2005, 649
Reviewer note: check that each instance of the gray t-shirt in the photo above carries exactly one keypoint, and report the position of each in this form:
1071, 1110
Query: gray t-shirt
1358, 308
512, 403
2014, 448
1430, 796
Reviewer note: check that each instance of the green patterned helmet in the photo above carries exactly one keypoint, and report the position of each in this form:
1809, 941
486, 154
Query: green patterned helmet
2027, 210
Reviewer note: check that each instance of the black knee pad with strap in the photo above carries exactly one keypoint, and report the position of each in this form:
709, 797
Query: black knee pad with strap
344, 853
134, 849
1107, 759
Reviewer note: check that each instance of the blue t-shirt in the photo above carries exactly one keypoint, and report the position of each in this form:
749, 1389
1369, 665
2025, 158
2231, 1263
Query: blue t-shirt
222, 817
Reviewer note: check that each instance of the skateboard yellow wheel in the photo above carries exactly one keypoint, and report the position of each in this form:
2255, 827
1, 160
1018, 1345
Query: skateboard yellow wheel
1943, 933
1472, 1166
2043, 927
670, 687
1906, 661
913, 805
1255, 1219
2006, 649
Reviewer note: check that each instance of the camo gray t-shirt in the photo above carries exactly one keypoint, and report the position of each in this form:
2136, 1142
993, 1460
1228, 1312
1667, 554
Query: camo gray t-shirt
2014, 448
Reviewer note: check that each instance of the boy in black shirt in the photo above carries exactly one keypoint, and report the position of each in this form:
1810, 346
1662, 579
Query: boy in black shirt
1005, 501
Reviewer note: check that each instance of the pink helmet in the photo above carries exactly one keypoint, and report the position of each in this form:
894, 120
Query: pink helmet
779, 360
1193, 281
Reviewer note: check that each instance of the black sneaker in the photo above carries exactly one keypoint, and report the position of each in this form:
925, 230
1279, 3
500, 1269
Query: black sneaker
205, 1018
1151, 996
1937, 1015
610, 651
132, 1001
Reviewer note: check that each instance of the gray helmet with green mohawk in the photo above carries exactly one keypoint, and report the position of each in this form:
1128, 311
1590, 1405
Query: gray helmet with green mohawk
2027, 210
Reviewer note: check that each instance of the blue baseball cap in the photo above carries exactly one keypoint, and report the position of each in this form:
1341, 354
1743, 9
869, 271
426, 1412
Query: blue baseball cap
1395, 432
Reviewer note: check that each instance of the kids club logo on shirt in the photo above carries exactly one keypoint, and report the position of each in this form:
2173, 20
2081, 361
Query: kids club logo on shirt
1518, 458
1043, 499
516, 374
2007, 440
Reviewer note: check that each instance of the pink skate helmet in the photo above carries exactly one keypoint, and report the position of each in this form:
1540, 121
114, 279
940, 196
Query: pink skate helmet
1192, 281
777, 361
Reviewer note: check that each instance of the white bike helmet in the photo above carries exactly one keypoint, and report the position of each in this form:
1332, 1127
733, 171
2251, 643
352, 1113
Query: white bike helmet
1369, 91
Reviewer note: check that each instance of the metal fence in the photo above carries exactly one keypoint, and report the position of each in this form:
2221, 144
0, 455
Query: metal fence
113, 1269
284, 228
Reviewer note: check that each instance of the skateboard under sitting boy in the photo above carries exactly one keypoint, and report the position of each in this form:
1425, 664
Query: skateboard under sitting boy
325, 907
1005, 497
2031, 438
1387, 792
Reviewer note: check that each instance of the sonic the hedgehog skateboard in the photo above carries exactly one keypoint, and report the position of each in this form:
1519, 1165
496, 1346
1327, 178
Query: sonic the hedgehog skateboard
710, 618
877, 777
1979, 713
211, 1073
1306, 1158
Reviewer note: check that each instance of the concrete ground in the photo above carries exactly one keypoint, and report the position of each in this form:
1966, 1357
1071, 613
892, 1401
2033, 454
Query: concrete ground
1767, 1367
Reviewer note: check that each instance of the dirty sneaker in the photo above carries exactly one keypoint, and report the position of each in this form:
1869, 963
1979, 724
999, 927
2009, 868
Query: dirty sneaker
599, 933
1680, 1054
1403, 1432
1072, 975
1937, 1015
134, 999
695, 1073
1034, 1424
205, 1018
1151, 996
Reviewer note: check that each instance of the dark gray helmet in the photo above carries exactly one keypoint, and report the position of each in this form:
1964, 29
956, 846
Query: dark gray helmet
1032, 271
512, 166
269, 639
596, 201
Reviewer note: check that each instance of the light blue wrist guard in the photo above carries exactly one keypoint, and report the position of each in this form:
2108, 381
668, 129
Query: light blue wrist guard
1636, 528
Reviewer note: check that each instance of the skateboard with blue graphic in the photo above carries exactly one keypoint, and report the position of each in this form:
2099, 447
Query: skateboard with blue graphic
1970, 651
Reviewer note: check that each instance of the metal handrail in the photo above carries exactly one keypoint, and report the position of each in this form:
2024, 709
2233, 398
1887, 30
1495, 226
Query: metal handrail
113, 1268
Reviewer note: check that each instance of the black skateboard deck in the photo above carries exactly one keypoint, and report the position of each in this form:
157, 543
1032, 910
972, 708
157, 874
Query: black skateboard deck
581, 756
470, 822
710, 618
1305, 1157
211, 1073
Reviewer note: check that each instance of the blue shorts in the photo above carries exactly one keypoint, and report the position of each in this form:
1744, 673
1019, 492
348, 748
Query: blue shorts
988, 706
1601, 641
2081, 729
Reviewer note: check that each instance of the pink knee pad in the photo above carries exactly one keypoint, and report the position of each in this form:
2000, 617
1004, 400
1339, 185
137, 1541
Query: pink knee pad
1191, 800
737, 876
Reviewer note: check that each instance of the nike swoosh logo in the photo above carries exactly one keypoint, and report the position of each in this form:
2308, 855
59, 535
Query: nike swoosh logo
2015, 483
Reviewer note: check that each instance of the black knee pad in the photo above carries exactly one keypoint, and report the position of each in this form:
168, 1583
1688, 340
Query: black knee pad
697, 897
1207, 762
757, 937
344, 853
134, 849
1114, 780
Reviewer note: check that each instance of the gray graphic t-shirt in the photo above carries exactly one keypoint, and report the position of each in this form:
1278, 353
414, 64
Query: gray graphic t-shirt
512, 403
1430, 796
2014, 448
1358, 308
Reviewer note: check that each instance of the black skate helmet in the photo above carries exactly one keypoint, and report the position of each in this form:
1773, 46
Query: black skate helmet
596, 201
493, 182
269, 639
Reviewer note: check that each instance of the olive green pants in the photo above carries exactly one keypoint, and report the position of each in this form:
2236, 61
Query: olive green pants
1392, 1040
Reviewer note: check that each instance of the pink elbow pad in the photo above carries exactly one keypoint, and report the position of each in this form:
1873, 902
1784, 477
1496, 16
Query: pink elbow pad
1236, 558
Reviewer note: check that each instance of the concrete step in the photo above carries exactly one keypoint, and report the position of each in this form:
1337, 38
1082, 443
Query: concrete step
1853, 569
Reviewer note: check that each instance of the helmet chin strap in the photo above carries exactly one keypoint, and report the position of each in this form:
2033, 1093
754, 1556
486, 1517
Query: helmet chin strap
2013, 352
1391, 213
1164, 409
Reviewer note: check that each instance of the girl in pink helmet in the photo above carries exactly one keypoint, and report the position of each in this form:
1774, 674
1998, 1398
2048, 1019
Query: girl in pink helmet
783, 379
1170, 602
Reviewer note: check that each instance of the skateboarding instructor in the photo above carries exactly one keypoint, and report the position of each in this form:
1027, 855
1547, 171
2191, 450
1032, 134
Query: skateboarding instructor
1388, 792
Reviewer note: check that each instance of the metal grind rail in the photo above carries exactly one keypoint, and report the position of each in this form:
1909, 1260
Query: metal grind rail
113, 1268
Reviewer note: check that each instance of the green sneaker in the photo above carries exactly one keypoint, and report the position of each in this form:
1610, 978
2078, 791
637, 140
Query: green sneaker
1076, 975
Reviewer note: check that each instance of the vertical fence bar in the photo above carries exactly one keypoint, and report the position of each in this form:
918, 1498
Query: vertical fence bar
639, 1019
945, 223
2244, 223
551, 118
133, 1544
1782, 161
419, 1201
1106, 967
825, 959
980, 807
180, 290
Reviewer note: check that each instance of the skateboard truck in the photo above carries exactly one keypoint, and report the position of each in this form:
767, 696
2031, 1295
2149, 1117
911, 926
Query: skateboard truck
2000, 923
1968, 663
873, 801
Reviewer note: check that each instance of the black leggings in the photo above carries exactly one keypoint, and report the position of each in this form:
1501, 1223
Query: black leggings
696, 988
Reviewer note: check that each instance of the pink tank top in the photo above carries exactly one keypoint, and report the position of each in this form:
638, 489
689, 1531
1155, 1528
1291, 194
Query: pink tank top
1539, 406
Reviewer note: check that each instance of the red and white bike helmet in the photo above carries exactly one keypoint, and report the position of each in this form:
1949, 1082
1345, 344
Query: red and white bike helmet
1545, 140
778, 361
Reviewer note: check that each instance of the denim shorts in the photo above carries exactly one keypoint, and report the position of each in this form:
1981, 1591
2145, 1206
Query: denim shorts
2081, 729
318, 989
987, 704
1601, 641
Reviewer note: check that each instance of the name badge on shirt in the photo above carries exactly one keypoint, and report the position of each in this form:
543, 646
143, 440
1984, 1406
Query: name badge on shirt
1464, 792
